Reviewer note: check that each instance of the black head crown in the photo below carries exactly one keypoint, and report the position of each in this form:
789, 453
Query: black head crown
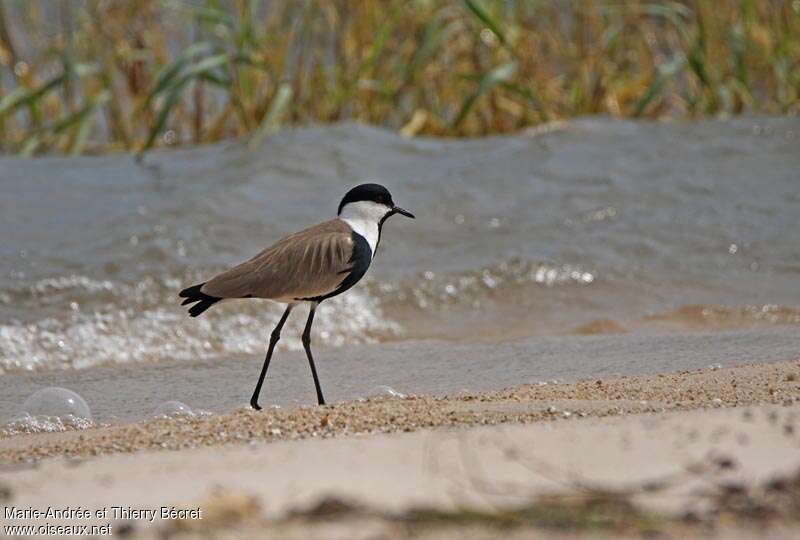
368, 192
373, 193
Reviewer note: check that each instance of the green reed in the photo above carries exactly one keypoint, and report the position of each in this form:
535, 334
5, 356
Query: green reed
131, 75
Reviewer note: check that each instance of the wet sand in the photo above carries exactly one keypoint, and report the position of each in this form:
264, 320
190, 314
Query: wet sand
754, 384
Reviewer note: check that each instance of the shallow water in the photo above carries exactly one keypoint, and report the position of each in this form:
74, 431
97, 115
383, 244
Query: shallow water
132, 392
594, 226
517, 236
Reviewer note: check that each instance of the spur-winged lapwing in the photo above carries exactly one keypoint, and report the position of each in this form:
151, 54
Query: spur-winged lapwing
309, 266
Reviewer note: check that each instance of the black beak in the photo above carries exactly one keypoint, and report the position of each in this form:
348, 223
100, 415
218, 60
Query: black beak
402, 212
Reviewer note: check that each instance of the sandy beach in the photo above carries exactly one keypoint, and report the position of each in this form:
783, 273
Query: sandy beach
436, 467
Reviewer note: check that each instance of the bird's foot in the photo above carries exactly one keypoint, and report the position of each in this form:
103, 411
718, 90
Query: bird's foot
254, 404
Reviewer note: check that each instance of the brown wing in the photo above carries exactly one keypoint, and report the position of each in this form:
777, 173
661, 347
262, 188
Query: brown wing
307, 264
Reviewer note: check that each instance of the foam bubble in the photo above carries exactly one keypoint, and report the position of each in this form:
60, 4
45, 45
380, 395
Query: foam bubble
386, 390
57, 402
50, 410
27, 423
173, 408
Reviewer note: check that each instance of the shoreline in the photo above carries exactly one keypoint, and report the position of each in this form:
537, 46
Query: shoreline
743, 385
655, 452
131, 392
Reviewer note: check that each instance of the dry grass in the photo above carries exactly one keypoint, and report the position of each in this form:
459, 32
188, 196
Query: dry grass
128, 75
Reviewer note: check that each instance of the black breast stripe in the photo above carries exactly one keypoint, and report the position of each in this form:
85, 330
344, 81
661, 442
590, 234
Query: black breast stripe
380, 231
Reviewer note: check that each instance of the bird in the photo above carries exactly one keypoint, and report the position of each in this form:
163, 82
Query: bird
309, 266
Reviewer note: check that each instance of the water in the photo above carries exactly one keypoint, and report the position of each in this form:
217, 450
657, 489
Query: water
132, 391
593, 227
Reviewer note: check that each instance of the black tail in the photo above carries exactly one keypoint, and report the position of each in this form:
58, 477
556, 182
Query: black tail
194, 294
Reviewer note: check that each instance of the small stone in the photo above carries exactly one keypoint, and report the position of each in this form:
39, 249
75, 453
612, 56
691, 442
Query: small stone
725, 463
125, 529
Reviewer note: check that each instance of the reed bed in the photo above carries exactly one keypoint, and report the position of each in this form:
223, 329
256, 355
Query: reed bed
96, 75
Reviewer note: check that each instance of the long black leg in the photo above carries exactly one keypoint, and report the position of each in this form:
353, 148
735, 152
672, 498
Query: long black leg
273, 339
307, 347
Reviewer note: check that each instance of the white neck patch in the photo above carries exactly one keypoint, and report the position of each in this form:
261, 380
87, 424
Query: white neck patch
363, 217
